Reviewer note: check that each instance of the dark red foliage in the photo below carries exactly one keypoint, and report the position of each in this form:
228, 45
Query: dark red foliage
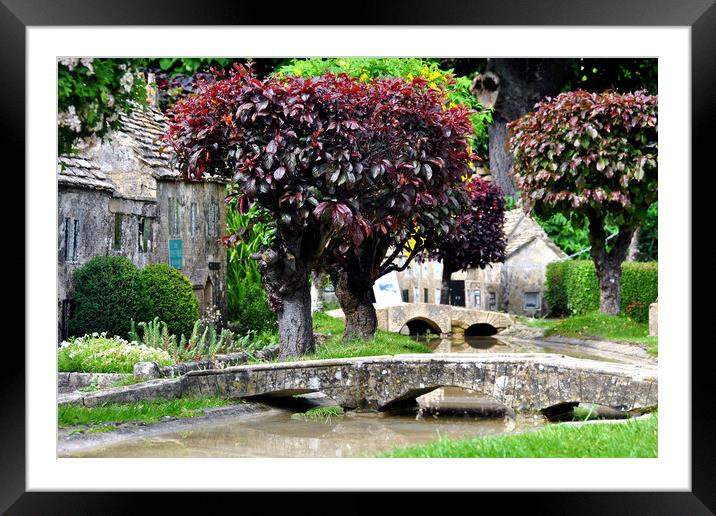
332, 153
477, 238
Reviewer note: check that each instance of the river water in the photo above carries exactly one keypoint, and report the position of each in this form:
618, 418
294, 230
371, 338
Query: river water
276, 434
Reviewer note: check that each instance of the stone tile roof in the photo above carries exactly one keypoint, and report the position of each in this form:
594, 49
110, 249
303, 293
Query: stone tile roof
82, 172
521, 229
145, 127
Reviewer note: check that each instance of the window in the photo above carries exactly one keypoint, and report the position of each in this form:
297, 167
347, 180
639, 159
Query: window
145, 226
476, 299
118, 231
532, 301
425, 295
493, 301
212, 220
194, 219
175, 254
405, 295
72, 230
174, 223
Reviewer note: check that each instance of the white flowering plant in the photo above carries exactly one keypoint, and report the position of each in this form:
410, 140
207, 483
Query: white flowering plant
91, 93
98, 353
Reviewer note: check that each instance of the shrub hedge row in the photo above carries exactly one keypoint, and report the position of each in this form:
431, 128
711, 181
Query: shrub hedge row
573, 288
110, 292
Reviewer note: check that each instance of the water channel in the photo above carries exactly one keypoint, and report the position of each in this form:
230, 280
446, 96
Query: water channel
446, 412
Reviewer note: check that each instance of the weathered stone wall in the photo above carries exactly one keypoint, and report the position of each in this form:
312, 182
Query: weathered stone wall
525, 272
203, 254
118, 158
522, 382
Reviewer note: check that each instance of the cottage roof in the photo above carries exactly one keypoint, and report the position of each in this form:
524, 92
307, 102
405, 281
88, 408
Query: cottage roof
143, 127
521, 229
82, 172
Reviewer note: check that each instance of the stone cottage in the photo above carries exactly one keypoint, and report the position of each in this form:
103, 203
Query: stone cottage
516, 286
124, 196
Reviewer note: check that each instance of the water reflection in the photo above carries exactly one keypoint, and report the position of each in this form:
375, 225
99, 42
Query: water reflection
278, 435
474, 344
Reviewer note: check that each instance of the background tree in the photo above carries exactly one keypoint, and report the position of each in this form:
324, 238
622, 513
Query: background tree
316, 152
91, 93
417, 149
477, 237
513, 87
593, 158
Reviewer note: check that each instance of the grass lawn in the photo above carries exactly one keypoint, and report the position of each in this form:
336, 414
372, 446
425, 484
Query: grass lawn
630, 439
384, 343
146, 411
614, 328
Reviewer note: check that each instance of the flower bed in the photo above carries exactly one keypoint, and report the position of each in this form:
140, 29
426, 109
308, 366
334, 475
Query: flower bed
97, 353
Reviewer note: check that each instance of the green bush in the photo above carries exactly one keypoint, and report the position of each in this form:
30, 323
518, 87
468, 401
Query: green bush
108, 294
97, 353
254, 314
573, 288
170, 298
640, 288
556, 295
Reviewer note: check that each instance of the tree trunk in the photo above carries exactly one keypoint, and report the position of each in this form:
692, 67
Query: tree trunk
521, 84
357, 305
295, 324
445, 288
633, 252
318, 282
608, 265
609, 275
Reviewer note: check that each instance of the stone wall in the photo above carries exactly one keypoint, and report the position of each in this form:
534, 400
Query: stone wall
203, 254
522, 382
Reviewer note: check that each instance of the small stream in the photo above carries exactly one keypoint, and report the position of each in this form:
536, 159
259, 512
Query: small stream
445, 412
278, 435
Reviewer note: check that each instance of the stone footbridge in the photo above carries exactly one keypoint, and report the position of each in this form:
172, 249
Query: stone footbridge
524, 382
442, 319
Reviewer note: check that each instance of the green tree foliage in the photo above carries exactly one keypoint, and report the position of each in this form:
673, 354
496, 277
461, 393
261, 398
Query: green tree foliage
170, 298
108, 295
91, 93
249, 232
624, 75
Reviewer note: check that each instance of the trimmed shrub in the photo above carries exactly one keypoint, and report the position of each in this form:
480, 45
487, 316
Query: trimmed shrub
97, 353
254, 314
108, 294
556, 295
170, 298
581, 287
640, 288
573, 288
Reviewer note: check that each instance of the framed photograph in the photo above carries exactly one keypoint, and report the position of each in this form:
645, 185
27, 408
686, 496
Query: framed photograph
42, 39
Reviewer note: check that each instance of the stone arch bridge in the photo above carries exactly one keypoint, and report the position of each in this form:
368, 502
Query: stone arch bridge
442, 319
524, 382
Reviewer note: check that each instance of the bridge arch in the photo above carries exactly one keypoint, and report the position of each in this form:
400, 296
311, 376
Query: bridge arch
421, 326
480, 330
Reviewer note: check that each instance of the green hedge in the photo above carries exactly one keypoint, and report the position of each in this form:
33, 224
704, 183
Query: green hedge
171, 298
108, 294
573, 288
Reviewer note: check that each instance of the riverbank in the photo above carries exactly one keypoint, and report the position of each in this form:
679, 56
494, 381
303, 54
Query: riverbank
635, 438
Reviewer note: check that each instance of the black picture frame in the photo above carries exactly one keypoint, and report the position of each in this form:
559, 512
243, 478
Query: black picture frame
700, 15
